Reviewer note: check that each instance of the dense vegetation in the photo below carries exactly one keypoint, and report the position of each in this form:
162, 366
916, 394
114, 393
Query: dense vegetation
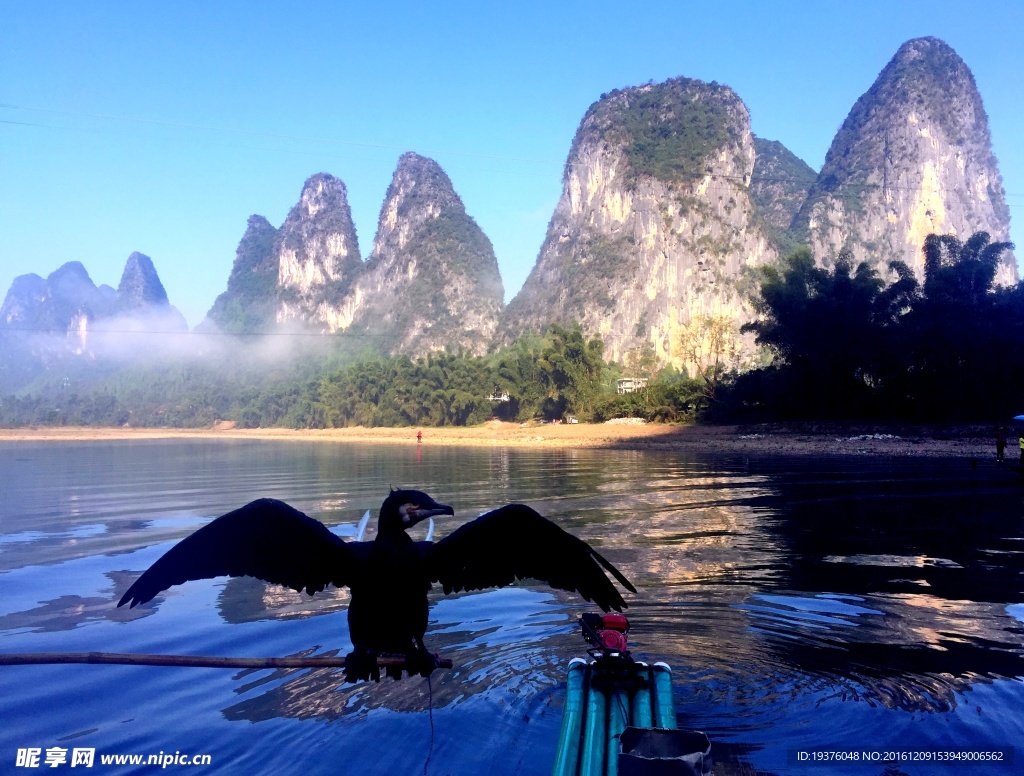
249, 302
847, 345
547, 377
449, 246
779, 186
669, 130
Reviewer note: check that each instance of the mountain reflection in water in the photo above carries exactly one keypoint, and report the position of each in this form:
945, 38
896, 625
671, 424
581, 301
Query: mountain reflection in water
800, 602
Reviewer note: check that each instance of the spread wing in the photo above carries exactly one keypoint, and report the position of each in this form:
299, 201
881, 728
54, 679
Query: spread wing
516, 542
267, 539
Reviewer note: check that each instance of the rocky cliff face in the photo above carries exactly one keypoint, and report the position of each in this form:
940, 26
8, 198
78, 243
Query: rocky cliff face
649, 243
250, 303
432, 280
317, 254
914, 157
668, 201
300, 274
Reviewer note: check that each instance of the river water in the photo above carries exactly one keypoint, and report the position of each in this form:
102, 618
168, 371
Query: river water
802, 603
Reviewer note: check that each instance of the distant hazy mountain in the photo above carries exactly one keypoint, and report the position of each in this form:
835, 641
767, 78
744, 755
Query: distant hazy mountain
45, 320
140, 286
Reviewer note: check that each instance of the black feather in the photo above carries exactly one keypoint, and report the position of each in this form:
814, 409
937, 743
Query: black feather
390, 576
266, 539
517, 542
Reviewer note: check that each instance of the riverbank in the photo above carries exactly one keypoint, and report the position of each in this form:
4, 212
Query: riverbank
945, 441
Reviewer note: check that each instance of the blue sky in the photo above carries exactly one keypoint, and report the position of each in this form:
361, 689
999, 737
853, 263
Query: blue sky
160, 127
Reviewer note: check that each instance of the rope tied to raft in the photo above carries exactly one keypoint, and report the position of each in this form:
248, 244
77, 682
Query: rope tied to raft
430, 713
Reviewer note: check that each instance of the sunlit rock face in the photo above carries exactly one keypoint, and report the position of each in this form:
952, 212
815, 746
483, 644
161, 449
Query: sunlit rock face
914, 157
668, 206
317, 254
432, 281
655, 233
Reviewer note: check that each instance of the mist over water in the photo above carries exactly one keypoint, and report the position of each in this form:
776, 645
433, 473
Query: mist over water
799, 602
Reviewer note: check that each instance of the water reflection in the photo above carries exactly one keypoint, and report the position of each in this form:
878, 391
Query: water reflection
244, 599
499, 642
792, 598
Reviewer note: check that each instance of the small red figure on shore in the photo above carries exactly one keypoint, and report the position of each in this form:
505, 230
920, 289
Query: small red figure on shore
419, 437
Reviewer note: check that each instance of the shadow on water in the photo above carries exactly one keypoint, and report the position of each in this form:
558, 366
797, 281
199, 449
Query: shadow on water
892, 583
502, 643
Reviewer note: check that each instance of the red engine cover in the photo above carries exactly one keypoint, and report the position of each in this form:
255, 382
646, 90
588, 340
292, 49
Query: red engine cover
615, 622
613, 639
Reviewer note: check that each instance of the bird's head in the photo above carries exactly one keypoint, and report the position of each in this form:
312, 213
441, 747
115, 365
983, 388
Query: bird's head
403, 509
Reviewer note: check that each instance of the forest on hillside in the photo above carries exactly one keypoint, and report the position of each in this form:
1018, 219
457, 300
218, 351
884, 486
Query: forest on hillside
844, 344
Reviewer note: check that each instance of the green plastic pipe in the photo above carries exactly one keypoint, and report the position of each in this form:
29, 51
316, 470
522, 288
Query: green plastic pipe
641, 715
594, 730
568, 757
664, 704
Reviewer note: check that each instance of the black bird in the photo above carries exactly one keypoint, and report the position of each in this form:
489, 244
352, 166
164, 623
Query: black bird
389, 577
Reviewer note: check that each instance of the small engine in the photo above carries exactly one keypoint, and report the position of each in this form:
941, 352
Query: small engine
607, 632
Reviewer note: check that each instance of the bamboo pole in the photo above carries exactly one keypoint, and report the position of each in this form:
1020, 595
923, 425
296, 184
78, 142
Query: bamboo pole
194, 661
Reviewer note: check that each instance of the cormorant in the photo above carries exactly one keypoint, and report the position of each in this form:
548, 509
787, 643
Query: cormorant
388, 577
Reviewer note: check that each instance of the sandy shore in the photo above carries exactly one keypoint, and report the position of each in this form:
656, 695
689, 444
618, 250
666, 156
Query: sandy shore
792, 439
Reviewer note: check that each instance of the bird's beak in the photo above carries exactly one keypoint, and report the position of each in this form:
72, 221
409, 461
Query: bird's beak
434, 511
414, 515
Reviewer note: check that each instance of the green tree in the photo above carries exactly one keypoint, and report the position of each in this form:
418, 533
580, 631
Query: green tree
570, 369
826, 330
956, 359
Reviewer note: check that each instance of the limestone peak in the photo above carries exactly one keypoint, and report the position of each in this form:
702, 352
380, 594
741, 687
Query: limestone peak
140, 285
913, 157
419, 191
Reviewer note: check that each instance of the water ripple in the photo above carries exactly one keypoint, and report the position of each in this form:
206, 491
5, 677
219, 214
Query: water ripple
793, 599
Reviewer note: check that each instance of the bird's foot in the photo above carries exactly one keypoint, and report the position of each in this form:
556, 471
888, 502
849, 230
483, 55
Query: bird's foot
416, 662
422, 662
361, 665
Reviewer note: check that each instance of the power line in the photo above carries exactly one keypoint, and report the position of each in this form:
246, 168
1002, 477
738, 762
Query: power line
25, 124
97, 332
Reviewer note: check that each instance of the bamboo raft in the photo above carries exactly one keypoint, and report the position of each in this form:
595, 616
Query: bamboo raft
190, 661
620, 716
